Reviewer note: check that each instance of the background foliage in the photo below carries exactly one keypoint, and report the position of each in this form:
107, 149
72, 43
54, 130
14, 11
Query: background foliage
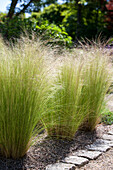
66, 22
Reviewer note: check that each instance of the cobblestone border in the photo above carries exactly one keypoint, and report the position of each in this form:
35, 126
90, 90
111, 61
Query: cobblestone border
82, 157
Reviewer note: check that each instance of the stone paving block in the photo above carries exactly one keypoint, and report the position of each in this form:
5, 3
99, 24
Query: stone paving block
79, 161
60, 166
98, 147
108, 137
100, 141
104, 141
89, 154
110, 132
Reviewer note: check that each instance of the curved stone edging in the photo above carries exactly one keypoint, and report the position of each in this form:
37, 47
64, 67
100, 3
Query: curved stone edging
82, 157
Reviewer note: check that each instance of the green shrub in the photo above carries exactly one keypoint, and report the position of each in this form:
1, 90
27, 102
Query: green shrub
55, 35
14, 28
107, 118
23, 93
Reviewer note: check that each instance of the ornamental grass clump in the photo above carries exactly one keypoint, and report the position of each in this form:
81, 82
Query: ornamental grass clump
67, 107
97, 79
23, 94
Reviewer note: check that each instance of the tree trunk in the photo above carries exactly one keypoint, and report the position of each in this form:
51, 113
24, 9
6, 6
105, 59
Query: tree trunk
24, 8
78, 19
12, 8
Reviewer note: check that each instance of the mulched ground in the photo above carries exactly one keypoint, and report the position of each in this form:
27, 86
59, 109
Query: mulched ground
49, 151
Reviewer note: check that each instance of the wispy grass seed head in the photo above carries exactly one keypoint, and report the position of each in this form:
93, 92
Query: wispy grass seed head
23, 93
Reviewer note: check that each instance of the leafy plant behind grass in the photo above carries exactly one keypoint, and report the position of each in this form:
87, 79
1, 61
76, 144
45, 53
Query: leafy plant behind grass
97, 79
107, 117
67, 109
23, 93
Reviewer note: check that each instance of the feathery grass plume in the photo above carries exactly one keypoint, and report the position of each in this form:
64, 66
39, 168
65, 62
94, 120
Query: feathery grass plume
66, 107
1, 43
23, 94
97, 79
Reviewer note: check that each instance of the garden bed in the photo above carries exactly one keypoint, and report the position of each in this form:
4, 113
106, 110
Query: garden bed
50, 151
65, 101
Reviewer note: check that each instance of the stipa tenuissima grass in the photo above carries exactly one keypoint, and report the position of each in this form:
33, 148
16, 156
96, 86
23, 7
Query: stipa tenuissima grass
23, 94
